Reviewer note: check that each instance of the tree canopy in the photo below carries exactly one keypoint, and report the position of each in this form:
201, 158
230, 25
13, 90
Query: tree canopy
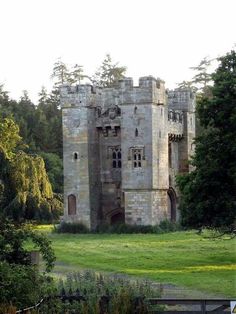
209, 192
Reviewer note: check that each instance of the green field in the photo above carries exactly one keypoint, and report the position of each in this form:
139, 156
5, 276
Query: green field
181, 258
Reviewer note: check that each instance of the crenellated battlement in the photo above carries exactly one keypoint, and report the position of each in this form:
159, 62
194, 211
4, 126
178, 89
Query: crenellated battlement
181, 99
149, 90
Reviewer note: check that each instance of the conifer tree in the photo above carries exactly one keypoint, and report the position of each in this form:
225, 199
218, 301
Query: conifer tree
109, 73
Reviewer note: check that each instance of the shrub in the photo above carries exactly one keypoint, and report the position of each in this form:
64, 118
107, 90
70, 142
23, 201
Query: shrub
164, 226
21, 286
67, 227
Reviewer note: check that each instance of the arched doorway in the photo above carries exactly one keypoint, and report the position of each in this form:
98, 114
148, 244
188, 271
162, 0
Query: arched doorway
118, 218
172, 199
115, 216
71, 204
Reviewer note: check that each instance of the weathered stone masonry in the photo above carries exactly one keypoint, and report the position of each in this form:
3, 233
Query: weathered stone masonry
123, 147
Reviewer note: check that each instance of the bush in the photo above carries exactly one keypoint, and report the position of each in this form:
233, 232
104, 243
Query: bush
164, 226
66, 227
22, 286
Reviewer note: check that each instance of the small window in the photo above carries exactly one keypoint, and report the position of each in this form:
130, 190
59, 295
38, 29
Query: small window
75, 156
114, 164
135, 110
119, 163
136, 132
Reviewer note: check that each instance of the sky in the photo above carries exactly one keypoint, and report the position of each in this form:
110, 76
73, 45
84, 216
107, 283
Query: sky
162, 38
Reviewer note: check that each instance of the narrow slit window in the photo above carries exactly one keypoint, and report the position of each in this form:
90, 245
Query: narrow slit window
71, 204
136, 132
75, 156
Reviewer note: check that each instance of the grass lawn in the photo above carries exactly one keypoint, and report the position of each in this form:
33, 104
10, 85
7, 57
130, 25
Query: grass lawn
181, 258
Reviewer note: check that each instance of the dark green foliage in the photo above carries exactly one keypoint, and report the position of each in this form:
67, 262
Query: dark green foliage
54, 168
66, 227
22, 286
12, 244
209, 192
40, 127
165, 226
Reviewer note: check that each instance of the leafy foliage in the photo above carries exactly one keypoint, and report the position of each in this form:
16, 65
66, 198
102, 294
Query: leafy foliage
25, 191
12, 244
9, 137
54, 168
21, 286
208, 193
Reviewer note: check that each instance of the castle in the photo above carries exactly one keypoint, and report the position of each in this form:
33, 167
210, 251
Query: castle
123, 147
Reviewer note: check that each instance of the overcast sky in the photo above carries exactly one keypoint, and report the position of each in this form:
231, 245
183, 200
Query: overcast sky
162, 38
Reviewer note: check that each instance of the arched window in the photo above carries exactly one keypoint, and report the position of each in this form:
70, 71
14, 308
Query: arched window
75, 156
71, 204
116, 158
136, 132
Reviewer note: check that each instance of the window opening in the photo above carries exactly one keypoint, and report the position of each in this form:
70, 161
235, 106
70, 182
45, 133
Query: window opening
71, 204
137, 157
116, 158
75, 156
136, 132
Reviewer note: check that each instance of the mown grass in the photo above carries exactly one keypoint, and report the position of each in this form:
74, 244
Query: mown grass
181, 258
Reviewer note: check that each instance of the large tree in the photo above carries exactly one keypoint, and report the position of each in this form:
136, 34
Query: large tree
209, 192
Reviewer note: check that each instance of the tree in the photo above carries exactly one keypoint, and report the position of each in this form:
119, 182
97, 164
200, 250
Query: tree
202, 78
208, 193
76, 75
25, 191
60, 72
9, 137
109, 73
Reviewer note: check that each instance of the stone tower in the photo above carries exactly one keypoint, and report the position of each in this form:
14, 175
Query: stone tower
122, 148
